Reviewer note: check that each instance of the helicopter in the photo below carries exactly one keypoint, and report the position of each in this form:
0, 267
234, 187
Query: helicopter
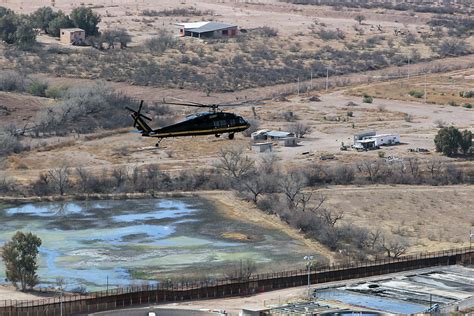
212, 122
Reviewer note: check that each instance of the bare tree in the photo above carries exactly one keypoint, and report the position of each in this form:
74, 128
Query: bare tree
234, 162
83, 179
269, 163
331, 217
374, 238
299, 129
394, 247
413, 166
242, 270
371, 168
434, 167
120, 176
291, 186
257, 184
60, 178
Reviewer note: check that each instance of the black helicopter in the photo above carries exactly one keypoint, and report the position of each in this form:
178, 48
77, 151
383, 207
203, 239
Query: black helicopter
213, 122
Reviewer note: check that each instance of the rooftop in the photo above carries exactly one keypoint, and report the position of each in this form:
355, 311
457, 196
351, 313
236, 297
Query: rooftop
203, 27
278, 134
72, 29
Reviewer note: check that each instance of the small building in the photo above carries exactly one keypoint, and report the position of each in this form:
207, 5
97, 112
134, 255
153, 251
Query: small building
288, 142
262, 147
207, 29
259, 135
74, 36
363, 135
366, 142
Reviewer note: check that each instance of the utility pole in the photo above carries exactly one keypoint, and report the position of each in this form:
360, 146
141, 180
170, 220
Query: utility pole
425, 87
61, 303
308, 264
471, 234
408, 69
311, 81
327, 79
298, 87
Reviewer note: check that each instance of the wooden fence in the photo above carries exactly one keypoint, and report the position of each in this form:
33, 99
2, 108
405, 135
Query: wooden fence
177, 292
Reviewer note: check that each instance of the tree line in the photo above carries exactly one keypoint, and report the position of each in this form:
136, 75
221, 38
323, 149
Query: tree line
22, 29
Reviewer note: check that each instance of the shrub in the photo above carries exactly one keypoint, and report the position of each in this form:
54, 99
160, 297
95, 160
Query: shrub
9, 144
159, 44
466, 94
86, 19
367, 99
447, 140
452, 103
60, 21
12, 81
417, 94
37, 87
467, 105
191, 11
330, 34
266, 31
453, 47
42, 17
408, 117
55, 92
350, 113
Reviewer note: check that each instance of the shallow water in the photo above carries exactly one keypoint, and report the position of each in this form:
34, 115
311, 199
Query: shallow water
87, 242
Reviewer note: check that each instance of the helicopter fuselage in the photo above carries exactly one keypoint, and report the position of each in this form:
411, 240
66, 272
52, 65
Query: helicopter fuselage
203, 123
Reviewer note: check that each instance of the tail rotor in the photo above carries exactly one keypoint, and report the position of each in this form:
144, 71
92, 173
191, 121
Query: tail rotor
138, 118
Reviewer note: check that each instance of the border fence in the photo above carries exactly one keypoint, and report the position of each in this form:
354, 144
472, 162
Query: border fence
219, 288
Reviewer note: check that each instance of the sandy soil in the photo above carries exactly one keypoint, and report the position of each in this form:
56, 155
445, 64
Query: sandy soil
234, 207
19, 109
8, 292
431, 218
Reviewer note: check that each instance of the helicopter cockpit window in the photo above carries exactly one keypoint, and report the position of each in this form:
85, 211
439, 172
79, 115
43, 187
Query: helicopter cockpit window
241, 120
220, 123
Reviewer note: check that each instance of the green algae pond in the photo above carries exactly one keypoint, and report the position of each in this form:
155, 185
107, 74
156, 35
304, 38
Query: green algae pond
92, 244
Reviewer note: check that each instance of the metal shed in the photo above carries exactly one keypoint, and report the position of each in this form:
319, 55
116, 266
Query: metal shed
262, 147
288, 142
207, 29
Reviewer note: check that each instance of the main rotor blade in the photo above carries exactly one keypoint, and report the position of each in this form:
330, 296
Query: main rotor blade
249, 102
184, 101
188, 104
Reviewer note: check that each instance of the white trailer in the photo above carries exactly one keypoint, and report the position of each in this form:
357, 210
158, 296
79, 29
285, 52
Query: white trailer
385, 139
375, 141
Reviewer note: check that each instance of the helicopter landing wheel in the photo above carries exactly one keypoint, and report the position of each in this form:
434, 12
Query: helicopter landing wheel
218, 135
157, 145
231, 135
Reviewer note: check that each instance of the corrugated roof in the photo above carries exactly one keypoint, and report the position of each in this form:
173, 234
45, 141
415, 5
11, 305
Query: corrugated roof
192, 25
278, 134
210, 27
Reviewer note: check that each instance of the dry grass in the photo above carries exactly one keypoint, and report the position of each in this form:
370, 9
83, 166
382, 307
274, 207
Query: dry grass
432, 218
440, 88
